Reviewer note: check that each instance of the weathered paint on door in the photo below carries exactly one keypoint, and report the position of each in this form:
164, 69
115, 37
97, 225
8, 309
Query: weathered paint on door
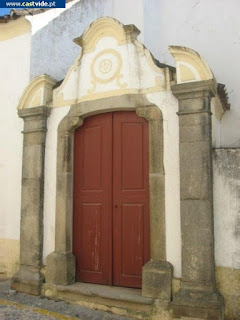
111, 199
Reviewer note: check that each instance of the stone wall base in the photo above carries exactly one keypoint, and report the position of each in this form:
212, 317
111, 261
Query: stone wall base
157, 280
228, 283
28, 280
9, 263
199, 305
117, 300
60, 268
130, 302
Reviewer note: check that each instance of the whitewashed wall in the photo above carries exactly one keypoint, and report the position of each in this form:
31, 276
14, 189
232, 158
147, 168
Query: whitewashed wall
212, 28
14, 76
53, 50
227, 207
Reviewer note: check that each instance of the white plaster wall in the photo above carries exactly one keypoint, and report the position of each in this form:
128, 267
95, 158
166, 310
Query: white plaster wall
151, 22
39, 21
50, 179
227, 207
129, 12
212, 28
14, 77
113, 8
53, 50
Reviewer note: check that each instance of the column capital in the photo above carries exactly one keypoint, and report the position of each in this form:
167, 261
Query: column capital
34, 112
35, 119
194, 90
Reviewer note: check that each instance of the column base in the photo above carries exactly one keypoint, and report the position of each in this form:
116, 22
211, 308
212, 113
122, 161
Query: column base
28, 280
157, 280
198, 304
60, 268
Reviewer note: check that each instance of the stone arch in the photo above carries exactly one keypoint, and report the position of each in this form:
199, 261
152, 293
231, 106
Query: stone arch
61, 263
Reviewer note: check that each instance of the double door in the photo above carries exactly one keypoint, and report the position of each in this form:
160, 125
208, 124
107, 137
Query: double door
111, 199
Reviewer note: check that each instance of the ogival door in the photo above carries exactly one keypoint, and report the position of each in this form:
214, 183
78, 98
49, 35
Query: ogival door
111, 199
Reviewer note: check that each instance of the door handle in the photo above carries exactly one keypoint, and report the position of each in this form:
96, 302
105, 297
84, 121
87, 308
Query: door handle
116, 206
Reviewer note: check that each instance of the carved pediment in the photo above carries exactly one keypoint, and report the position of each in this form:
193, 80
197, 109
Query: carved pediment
112, 62
38, 92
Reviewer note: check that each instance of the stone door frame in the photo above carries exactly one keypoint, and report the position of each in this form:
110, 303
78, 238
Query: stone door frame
60, 266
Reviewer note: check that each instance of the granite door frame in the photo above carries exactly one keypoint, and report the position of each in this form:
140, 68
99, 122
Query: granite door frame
60, 265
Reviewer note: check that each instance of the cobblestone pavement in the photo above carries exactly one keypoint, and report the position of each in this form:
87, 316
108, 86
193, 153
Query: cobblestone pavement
12, 310
20, 306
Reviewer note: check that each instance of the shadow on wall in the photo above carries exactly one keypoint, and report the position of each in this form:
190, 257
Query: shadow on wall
52, 49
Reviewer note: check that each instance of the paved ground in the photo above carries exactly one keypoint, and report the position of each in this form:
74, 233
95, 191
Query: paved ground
19, 306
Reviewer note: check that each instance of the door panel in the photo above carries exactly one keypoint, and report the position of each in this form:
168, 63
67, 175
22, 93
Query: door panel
130, 198
92, 205
91, 158
132, 175
90, 241
132, 239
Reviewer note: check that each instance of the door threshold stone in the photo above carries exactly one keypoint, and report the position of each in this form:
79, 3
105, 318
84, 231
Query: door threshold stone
109, 292
117, 300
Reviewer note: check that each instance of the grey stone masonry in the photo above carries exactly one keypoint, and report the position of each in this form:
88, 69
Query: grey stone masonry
198, 296
29, 279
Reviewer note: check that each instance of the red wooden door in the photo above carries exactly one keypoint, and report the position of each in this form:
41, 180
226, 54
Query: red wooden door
130, 198
92, 204
111, 199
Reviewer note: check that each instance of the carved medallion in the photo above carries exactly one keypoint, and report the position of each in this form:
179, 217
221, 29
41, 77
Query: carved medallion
106, 67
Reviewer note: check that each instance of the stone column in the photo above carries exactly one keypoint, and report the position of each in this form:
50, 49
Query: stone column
29, 279
198, 297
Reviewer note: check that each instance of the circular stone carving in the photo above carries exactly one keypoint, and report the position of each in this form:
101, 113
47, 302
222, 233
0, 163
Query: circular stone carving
106, 66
